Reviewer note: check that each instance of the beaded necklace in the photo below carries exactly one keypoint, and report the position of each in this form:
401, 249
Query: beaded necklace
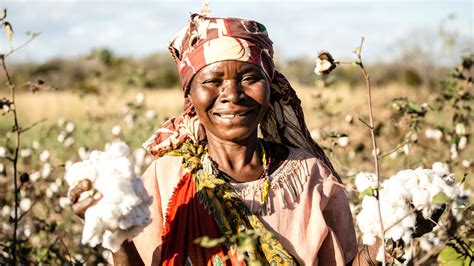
266, 161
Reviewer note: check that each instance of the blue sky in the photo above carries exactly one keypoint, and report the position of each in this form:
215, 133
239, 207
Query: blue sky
71, 28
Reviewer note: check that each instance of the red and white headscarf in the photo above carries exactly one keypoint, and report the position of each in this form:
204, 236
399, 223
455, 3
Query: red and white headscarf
207, 40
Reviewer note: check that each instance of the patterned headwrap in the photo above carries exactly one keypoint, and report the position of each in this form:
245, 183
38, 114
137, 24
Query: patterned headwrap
207, 40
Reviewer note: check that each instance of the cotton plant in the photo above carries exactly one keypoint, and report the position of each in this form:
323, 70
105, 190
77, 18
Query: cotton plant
403, 196
122, 212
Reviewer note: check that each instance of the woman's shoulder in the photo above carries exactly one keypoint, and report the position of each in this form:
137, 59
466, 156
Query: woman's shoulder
165, 171
302, 170
301, 158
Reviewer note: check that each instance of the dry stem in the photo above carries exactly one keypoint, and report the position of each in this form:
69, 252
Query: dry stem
374, 142
18, 131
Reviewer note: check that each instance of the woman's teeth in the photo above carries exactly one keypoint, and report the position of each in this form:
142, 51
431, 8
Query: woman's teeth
231, 115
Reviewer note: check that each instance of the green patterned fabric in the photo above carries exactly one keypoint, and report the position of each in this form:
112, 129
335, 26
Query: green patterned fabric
230, 213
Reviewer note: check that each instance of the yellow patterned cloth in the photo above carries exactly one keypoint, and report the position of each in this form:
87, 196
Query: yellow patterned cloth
232, 216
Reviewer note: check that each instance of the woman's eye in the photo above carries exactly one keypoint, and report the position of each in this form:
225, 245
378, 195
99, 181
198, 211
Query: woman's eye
250, 78
212, 81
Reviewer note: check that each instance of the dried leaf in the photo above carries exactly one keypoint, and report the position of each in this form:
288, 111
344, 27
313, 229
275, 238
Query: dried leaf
7, 27
4, 15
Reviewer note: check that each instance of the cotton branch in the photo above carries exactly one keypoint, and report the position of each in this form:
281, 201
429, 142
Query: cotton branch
18, 131
358, 52
324, 65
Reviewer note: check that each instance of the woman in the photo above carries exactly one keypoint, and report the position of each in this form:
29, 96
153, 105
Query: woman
215, 177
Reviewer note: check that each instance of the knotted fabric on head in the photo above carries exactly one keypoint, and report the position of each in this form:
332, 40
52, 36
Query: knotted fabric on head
207, 40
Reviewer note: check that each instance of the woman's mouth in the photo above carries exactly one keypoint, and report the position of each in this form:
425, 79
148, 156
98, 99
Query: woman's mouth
232, 115
235, 117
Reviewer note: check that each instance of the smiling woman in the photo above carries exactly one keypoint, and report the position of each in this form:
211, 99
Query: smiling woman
230, 99
214, 177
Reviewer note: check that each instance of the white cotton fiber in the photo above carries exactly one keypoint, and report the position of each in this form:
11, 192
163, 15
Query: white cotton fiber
122, 212
400, 196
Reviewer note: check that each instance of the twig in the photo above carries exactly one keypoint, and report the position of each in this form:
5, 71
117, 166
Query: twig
399, 146
33, 36
15, 156
27, 211
374, 141
344, 63
33, 125
428, 255
400, 220
365, 123
463, 245
65, 247
18, 132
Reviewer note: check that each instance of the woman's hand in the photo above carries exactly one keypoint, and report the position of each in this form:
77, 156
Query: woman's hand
82, 197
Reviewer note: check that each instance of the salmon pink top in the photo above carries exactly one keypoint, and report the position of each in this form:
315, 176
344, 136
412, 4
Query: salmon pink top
309, 210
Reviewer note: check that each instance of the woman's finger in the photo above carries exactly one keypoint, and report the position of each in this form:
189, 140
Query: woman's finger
76, 191
80, 207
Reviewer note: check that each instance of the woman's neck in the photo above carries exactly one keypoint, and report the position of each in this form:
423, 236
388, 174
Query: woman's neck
240, 160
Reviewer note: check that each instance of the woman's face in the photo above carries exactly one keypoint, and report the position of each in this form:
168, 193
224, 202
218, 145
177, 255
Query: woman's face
230, 98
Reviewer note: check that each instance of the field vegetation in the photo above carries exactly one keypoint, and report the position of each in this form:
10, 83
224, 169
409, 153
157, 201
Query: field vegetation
423, 115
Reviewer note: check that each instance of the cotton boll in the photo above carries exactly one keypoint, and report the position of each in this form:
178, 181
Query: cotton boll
25, 204
122, 212
116, 130
83, 154
400, 195
64, 202
460, 129
139, 156
106, 254
80, 171
25, 153
466, 163
368, 239
118, 149
68, 142
407, 236
92, 227
395, 233
407, 256
150, 114
61, 121
440, 168
44, 156
435, 134
343, 141
35, 176
454, 152
6, 210
365, 180
421, 198
409, 221
70, 127
380, 254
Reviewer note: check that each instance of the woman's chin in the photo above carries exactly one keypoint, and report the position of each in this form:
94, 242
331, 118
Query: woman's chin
236, 135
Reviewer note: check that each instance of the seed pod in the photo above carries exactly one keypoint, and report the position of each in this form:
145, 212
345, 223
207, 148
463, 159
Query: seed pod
24, 177
324, 63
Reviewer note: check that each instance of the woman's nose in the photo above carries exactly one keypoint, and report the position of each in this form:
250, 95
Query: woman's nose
231, 91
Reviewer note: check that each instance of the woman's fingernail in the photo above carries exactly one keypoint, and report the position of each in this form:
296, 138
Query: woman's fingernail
97, 196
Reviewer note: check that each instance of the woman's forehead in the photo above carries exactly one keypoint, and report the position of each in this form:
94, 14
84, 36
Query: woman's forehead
229, 66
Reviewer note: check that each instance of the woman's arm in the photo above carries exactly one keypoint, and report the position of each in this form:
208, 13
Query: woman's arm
366, 256
148, 242
127, 255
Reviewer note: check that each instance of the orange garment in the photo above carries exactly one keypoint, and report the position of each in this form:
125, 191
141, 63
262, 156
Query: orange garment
310, 211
